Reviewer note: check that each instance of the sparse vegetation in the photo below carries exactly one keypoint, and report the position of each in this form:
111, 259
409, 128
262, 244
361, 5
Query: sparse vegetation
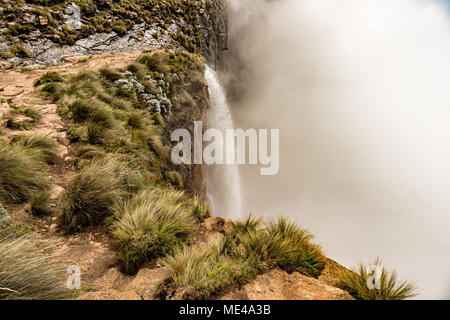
248, 249
376, 283
28, 273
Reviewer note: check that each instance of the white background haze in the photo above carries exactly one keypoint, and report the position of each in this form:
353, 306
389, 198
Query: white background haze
360, 90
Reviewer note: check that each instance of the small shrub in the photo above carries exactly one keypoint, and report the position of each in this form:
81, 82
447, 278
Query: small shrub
77, 133
148, 225
360, 281
27, 273
5, 219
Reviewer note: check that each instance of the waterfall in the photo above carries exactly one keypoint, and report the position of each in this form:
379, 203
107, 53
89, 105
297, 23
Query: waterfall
222, 183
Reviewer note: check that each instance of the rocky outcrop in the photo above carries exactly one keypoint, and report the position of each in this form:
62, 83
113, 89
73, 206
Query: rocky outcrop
279, 285
34, 34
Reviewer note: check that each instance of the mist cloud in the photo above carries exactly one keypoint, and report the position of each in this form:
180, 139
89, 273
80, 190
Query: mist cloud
360, 90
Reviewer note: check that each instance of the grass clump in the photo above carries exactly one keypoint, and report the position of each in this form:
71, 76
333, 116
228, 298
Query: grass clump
21, 173
198, 272
20, 51
27, 273
376, 283
40, 203
51, 76
44, 148
175, 179
279, 244
151, 224
92, 192
248, 249
200, 210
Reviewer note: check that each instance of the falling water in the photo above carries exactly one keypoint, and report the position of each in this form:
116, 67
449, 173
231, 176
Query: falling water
223, 184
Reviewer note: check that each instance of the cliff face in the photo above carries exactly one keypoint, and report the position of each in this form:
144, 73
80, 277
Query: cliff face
47, 31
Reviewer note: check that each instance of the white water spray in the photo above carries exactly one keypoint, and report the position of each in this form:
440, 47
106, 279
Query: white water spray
222, 184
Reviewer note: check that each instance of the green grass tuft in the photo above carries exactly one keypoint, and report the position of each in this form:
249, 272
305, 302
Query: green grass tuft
21, 173
150, 224
40, 203
92, 192
46, 148
199, 272
366, 283
28, 273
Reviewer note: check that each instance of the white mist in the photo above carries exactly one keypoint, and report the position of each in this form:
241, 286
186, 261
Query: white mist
360, 90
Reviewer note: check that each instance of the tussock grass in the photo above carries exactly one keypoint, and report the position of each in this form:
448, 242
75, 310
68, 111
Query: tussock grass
138, 69
200, 209
175, 179
46, 148
30, 112
366, 284
21, 173
40, 203
150, 224
136, 120
280, 243
49, 77
92, 192
198, 272
27, 273
248, 249
111, 74
18, 125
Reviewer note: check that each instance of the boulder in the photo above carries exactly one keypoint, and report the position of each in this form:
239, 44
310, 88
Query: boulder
279, 285
146, 281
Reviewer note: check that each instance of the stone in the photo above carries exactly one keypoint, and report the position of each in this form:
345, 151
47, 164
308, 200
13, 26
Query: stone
216, 224
43, 21
112, 280
279, 285
146, 281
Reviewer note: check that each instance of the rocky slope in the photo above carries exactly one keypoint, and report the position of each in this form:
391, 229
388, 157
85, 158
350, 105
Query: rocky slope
45, 32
